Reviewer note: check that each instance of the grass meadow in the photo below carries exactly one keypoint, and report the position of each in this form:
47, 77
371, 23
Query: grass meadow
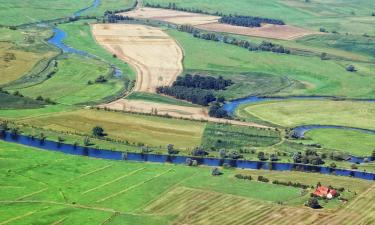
70, 84
354, 142
291, 113
46, 187
149, 97
305, 75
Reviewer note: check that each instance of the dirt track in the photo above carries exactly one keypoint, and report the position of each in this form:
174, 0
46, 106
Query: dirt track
186, 112
210, 23
155, 56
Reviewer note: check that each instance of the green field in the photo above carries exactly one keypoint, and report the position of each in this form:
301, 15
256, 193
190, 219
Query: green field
136, 129
353, 16
291, 113
79, 36
45, 187
20, 12
354, 142
302, 75
219, 136
70, 84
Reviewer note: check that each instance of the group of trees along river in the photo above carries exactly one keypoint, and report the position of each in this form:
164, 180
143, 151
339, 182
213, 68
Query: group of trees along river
249, 21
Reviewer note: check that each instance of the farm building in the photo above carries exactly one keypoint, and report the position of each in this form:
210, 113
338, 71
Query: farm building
325, 192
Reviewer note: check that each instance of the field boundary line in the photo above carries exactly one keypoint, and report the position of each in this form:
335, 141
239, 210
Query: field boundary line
31, 194
89, 173
113, 181
17, 217
133, 186
59, 221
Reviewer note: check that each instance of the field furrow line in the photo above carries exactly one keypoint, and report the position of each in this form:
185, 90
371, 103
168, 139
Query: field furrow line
89, 173
113, 181
132, 187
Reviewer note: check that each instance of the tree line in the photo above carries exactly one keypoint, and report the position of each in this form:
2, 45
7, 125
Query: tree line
264, 46
195, 95
114, 18
249, 21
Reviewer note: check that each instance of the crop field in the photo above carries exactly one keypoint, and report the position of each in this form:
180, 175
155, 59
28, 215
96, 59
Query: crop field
352, 16
155, 56
77, 189
210, 23
293, 113
354, 142
312, 75
152, 131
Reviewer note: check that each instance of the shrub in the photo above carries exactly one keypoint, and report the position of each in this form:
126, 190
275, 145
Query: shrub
313, 203
351, 68
263, 179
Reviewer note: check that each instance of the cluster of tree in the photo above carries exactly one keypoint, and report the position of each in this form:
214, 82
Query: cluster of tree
216, 110
310, 157
114, 18
289, 183
248, 21
173, 6
243, 177
232, 155
171, 150
313, 203
263, 179
195, 95
264, 46
191, 162
98, 131
203, 82
199, 151
46, 100
263, 157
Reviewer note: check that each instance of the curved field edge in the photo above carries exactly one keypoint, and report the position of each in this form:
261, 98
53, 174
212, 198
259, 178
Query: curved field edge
291, 113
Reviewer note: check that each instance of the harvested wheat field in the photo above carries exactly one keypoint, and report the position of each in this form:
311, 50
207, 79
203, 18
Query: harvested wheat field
155, 56
210, 23
282, 32
172, 16
186, 112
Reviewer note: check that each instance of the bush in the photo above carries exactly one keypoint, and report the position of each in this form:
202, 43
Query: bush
263, 179
216, 172
313, 203
351, 68
98, 131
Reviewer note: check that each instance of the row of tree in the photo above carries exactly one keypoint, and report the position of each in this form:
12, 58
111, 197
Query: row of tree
173, 6
203, 82
248, 21
114, 18
264, 46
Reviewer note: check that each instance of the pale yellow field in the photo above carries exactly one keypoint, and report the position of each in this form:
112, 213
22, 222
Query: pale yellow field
172, 16
15, 63
193, 206
155, 56
210, 23
186, 112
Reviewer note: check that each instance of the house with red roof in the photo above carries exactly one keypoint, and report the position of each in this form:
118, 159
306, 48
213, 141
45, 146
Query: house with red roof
325, 192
